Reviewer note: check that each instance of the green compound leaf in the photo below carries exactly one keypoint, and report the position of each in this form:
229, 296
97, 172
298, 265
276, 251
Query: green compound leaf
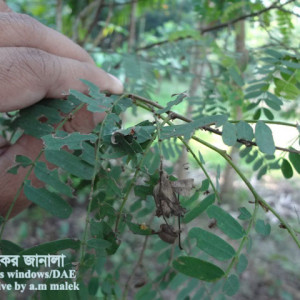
52, 247
253, 94
258, 164
14, 170
9, 248
264, 138
244, 131
138, 229
93, 105
295, 161
187, 130
257, 87
274, 99
197, 268
286, 89
178, 100
94, 90
226, 222
212, 244
262, 172
51, 178
229, 134
242, 264
30, 120
262, 228
98, 243
244, 214
268, 114
88, 153
23, 160
272, 104
232, 285
235, 75
141, 132
257, 114
72, 140
51, 202
70, 163
286, 169
199, 209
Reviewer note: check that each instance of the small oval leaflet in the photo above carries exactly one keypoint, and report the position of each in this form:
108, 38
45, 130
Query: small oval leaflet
229, 134
226, 222
51, 202
197, 268
199, 209
212, 244
295, 161
286, 169
262, 228
264, 138
242, 264
98, 243
231, 285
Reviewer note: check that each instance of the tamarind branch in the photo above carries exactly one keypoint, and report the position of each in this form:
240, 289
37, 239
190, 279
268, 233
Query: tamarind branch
174, 115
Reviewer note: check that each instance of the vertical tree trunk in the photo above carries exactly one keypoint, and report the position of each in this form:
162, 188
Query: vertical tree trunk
132, 26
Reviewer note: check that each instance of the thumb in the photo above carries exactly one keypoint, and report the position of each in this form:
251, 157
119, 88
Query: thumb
36, 74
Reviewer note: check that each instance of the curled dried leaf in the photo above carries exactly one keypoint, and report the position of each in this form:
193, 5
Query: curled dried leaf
167, 233
167, 203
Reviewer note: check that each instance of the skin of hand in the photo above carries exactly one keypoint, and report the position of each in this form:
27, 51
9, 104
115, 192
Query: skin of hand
38, 62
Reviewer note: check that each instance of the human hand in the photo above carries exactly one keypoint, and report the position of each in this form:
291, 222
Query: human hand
38, 62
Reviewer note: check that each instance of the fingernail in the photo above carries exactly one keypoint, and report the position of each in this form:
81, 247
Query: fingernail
120, 88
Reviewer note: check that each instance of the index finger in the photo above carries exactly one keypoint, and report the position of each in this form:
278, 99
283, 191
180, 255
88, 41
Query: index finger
21, 30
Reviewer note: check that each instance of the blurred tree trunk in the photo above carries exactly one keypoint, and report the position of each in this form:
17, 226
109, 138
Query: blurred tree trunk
242, 53
59, 7
132, 26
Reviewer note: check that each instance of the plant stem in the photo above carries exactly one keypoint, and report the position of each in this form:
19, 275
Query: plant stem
202, 167
238, 252
30, 170
137, 171
18, 194
174, 115
266, 121
91, 193
223, 153
257, 197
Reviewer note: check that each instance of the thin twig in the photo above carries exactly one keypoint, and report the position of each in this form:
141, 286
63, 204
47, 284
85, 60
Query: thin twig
138, 263
247, 143
87, 10
100, 35
94, 22
289, 12
220, 26
19, 190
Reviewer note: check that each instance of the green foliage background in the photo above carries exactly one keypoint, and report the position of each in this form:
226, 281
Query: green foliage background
240, 63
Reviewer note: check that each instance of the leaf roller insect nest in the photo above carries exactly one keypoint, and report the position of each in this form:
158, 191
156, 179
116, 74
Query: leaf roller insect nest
166, 200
